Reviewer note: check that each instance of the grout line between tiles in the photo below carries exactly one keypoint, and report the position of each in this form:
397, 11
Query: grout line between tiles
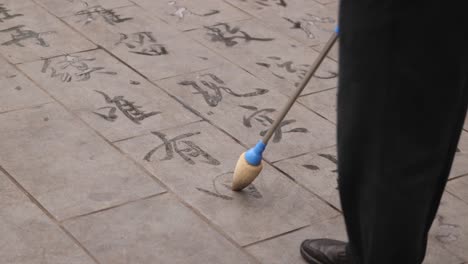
47, 213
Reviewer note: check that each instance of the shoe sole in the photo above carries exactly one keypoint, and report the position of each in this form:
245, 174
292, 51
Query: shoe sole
309, 258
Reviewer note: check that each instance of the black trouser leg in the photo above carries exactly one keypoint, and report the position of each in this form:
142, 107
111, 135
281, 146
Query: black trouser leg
402, 100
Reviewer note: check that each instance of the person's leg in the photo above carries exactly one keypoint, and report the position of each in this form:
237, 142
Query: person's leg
402, 98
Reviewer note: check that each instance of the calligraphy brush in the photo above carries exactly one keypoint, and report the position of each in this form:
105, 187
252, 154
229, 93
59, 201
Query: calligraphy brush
250, 165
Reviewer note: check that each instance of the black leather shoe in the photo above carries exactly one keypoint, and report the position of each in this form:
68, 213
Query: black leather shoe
325, 251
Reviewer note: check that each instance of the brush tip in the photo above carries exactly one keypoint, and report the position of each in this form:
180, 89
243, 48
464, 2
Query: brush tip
244, 173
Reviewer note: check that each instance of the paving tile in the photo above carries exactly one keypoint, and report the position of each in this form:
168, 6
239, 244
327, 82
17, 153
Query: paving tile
248, 115
460, 163
63, 8
186, 15
326, 2
32, 33
28, 235
9, 193
107, 95
156, 230
273, 205
285, 249
149, 45
254, 6
332, 54
260, 50
16, 91
450, 226
463, 142
459, 188
65, 166
466, 123
311, 24
323, 103
317, 172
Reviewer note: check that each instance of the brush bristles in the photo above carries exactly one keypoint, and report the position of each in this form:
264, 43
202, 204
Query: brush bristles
244, 173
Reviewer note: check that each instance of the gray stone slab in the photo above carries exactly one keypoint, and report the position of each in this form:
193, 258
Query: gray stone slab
459, 188
466, 123
449, 227
273, 205
28, 235
156, 230
9, 193
317, 172
33, 34
65, 166
106, 94
311, 24
276, 59
463, 142
186, 14
248, 117
149, 45
62, 8
326, 2
279, 6
16, 91
323, 103
460, 163
285, 249
332, 54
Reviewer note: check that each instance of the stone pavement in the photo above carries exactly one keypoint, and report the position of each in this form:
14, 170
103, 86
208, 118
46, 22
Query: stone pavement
122, 121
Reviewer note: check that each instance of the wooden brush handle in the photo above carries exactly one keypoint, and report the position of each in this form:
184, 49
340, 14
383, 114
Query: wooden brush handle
301, 87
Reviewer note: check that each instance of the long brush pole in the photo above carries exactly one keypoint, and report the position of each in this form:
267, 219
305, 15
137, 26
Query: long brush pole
250, 165
301, 87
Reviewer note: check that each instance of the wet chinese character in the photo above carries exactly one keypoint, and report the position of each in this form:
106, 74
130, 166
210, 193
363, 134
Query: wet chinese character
261, 116
186, 149
223, 32
110, 16
126, 107
182, 11
279, 68
309, 23
72, 68
213, 83
266, 3
447, 232
5, 13
19, 35
224, 181
143, 43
